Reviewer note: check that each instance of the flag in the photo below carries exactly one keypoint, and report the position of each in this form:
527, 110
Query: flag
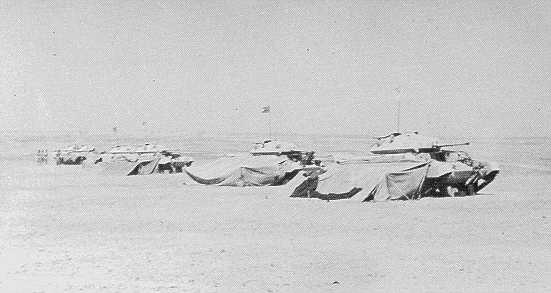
266, 109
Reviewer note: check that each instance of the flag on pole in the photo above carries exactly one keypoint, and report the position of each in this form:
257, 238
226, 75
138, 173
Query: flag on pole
266, 109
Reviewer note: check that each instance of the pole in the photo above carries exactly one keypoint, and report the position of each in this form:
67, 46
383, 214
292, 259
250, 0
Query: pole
270, 125
399, 114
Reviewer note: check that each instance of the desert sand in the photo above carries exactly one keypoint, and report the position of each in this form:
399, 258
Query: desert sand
70, 229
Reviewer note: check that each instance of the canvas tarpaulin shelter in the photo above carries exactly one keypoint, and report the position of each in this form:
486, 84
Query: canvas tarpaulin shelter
244, 171
142, 166
356, 181
405, 184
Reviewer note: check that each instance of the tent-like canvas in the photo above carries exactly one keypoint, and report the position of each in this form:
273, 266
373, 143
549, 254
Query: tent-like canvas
142, 166
401, 185
400, 180
354, 181
244, 171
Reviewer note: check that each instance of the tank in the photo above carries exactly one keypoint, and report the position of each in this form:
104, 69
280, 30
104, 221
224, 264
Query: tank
452, 173
171, 161
274, 147
73, 154
408, 142
281, 148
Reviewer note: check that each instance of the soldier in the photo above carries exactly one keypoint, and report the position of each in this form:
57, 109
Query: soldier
38, 156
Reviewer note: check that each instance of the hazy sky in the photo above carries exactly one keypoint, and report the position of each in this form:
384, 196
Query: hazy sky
459, 67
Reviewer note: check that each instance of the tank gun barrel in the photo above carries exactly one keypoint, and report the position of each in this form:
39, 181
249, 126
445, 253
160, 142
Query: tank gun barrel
451, 144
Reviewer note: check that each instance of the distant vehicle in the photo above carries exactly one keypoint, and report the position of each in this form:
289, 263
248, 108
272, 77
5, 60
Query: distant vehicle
274, 147
73, 154
144, 149
408, 142
165, 159
281, 148
452, 173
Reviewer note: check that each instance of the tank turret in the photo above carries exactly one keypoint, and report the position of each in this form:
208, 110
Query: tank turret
409, 142
274, 147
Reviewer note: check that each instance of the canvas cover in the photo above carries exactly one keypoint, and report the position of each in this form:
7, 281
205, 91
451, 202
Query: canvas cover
142, 166
244, 171
401, 185
356, 181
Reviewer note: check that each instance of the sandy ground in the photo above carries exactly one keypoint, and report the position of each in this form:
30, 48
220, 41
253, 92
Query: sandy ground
67, 229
